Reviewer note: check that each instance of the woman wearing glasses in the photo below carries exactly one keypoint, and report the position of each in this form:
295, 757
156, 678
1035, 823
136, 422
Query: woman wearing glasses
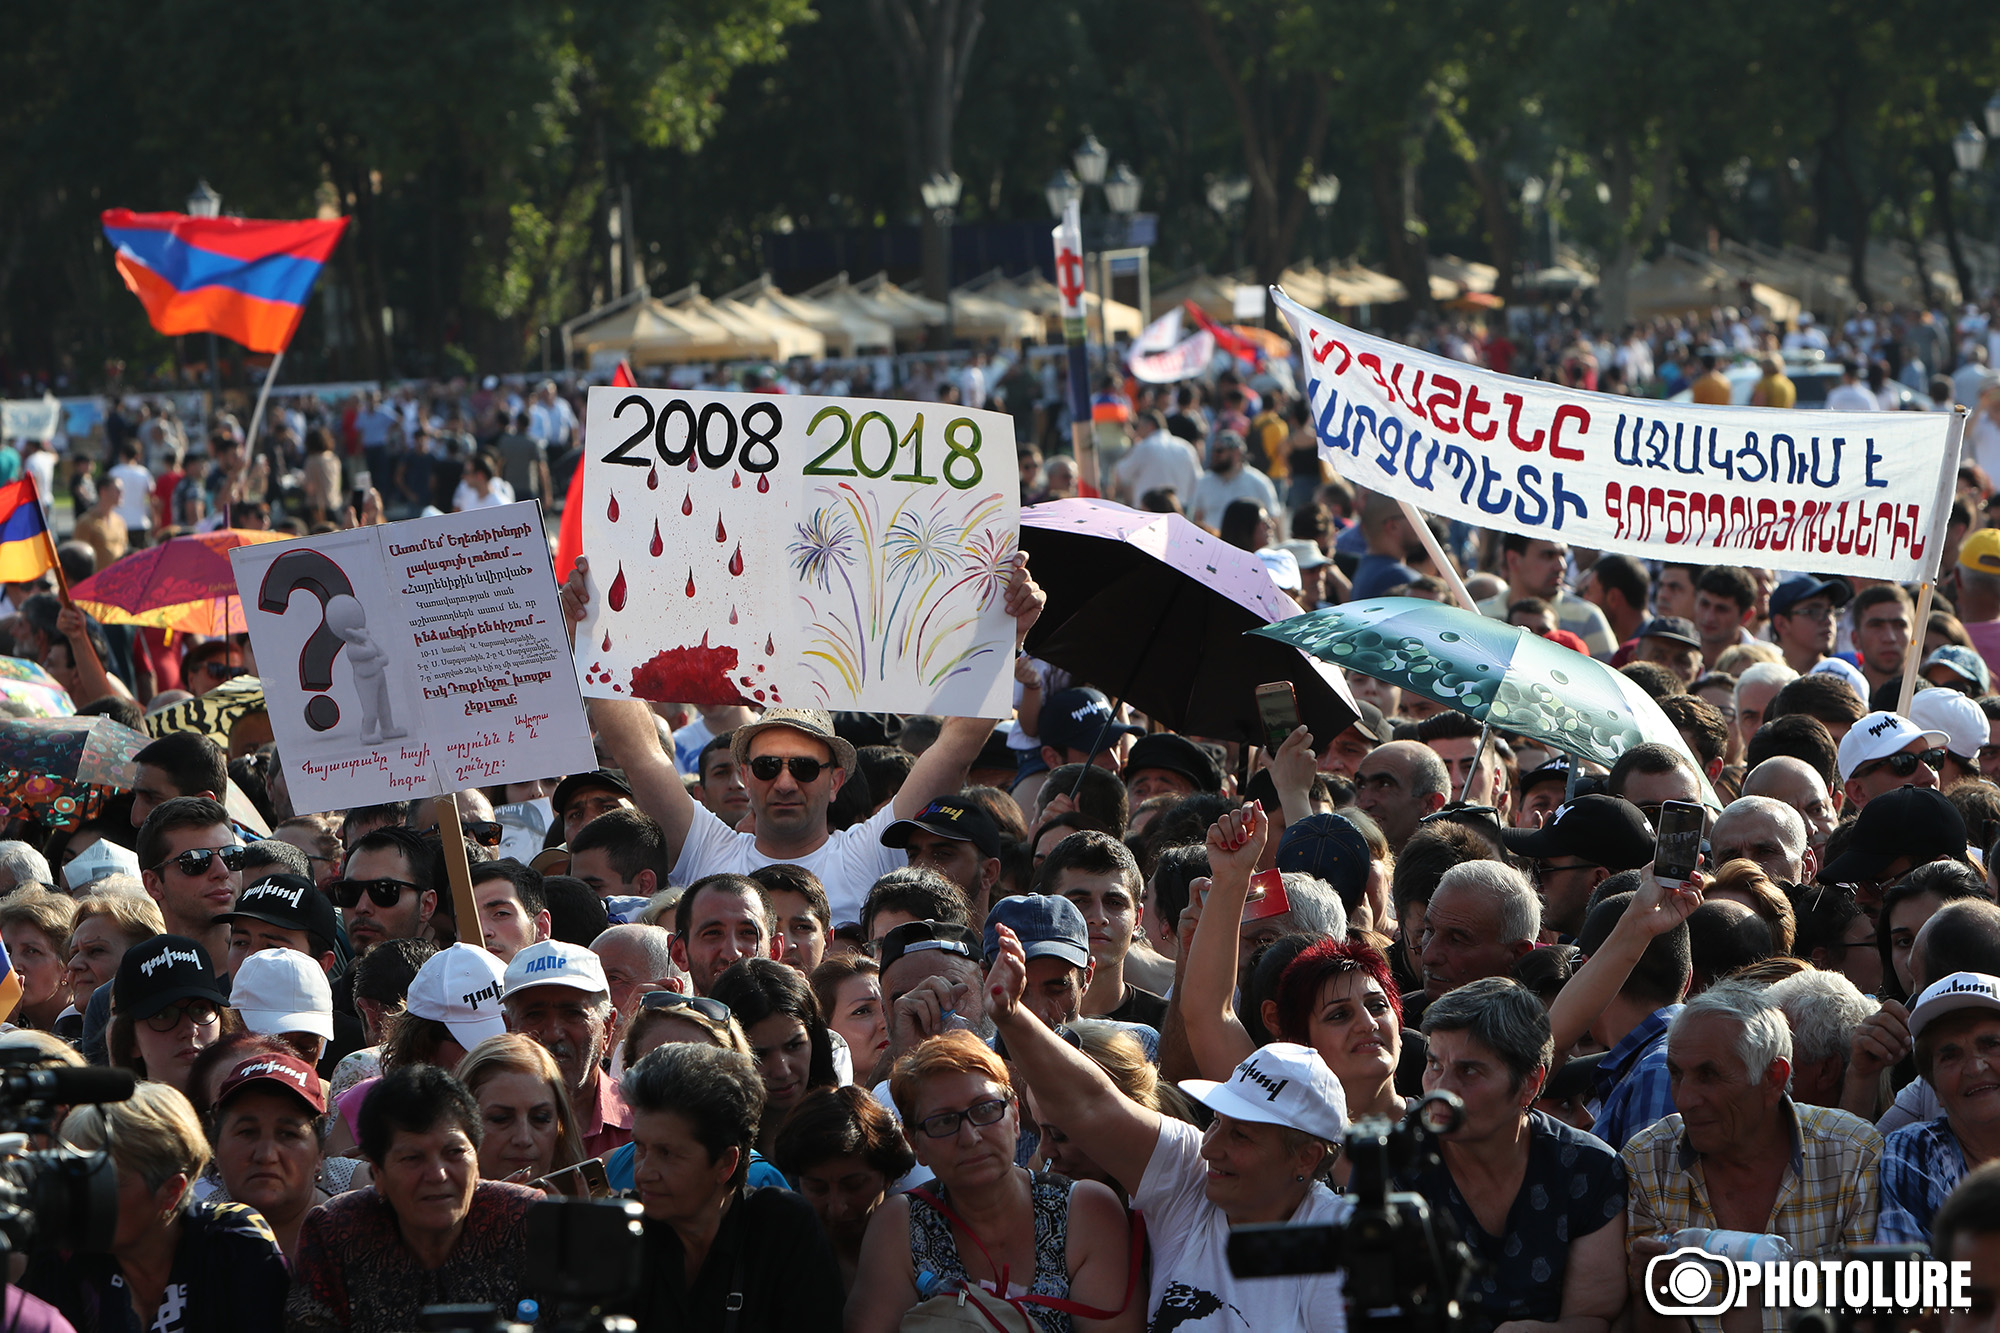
666, 1018
166, 1007
720, 1252
987, 1223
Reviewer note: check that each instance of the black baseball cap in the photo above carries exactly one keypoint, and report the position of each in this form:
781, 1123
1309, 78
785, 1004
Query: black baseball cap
1917, 822
1176, 754
1372, 724
156, 972
1606, 831
1556, 770
289, 902
1079, 718
996, 753
610, 779
949, 817
1328, 847
925, 936
1677, 629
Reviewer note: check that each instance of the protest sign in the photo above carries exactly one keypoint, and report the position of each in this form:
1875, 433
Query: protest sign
1183, 361
409, 659
1834, 492
817, 552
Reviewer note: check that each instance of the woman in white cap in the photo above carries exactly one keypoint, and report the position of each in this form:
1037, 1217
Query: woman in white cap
1279, 1119
1956, 1026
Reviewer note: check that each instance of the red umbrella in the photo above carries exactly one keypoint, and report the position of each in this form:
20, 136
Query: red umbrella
182, 584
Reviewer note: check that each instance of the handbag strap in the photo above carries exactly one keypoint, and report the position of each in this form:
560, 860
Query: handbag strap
1061, 1304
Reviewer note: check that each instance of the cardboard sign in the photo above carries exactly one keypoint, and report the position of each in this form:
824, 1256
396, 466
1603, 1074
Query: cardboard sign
409, 659
817, 552
1834, 492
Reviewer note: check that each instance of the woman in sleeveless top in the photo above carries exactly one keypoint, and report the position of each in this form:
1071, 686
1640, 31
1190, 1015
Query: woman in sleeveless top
984, 1223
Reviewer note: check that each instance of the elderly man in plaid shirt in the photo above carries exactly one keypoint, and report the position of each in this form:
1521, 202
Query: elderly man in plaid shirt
1740, 1155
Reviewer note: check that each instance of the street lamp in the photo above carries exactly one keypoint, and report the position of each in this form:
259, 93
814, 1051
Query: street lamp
1533, 192
204, 202
1091, 158
1993, 116
1062, 191
1969, 147
1224, 195
1122, 191
1322, 192
941, 191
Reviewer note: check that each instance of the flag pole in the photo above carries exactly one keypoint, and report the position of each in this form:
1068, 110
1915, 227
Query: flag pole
1446, 570
1941, 519
96, 663
257, 413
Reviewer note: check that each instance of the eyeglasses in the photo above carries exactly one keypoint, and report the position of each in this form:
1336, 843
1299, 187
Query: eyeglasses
223, 670
715, 1011
1811, 611
766, 767
346, 893
196, 862
945, 1123
199, 1012
485, 832
1904, 762
1545, 868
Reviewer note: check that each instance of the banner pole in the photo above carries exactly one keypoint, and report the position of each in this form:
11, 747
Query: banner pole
1446, 570
1947, 485
458, 870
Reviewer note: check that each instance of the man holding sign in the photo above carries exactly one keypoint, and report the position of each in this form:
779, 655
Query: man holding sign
792, 765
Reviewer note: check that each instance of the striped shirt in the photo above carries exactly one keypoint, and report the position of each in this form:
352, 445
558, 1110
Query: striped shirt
1826, 1201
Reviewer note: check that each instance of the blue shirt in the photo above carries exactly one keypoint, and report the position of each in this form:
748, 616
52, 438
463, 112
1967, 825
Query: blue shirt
618, 1170
1632, 1089
1920, 1164
1379, 573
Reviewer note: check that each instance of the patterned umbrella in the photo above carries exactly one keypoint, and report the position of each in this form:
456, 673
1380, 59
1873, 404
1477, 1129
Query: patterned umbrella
27, 685
1492, 671
58, 770
182, 584
211, 714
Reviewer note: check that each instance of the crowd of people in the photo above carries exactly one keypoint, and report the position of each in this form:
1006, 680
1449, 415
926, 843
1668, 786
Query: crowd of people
887, 1021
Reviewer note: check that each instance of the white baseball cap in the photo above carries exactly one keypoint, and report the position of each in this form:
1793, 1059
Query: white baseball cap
554, 963
1847, 671
1879, 735
1281, 1084
460, 988
1957, 716
1960, 990
282, 990
101, 858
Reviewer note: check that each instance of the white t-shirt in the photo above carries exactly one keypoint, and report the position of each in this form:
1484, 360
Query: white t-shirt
135, 505
1190, 1236
848, 863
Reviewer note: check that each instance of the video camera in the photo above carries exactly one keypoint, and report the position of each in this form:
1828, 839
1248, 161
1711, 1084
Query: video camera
53, 1196
584, 1256
1404, 1267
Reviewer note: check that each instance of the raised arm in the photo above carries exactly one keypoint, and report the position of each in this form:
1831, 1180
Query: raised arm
1214, 1033
1655, 911
1071, 1092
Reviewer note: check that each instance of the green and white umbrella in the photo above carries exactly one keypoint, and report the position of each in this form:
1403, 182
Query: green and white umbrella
1496, 673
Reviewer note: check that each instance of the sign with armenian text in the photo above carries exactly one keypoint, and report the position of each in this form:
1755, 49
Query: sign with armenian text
1833, 492
818, 552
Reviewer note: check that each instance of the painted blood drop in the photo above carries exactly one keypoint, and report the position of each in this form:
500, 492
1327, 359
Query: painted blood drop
763, 484
732, 615
736, 561
694, 461
607, 641
616, 597
652, 479
657, 545
611, 511
720, 535
690, 587
735, 481
687, 504
698, 674
769, 646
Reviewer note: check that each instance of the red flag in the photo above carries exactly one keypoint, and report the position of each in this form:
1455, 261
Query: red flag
569, 536
1229, 341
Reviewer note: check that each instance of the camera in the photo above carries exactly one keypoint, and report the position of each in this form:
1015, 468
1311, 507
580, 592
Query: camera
1404, 1266
53, 1196
1684, 1282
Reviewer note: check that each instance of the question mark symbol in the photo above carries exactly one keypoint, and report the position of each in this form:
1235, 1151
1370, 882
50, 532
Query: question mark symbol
324, 580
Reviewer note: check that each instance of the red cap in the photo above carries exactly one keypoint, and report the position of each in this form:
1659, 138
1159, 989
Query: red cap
284, 1071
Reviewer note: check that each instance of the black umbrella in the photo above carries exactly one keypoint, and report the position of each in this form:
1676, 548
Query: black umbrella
1154, 611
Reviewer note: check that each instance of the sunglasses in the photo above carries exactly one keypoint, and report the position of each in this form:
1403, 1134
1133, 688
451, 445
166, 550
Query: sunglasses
766, 767
945, 1123
223, 671
1903, 762
485, 832
346, 893
196, 862
199, 1012
715, 1011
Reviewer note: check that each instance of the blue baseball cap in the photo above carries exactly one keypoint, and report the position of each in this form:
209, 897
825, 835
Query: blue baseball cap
1079, 718
1329, 848
1049, 927
1800, 587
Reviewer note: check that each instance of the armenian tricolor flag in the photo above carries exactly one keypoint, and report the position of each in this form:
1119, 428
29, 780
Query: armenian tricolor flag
243, 278
25, 551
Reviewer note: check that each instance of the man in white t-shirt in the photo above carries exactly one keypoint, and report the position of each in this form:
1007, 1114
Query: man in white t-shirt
136, 506
1158, 460
792, 765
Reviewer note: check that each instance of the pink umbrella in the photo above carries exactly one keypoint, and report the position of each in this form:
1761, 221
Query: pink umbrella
1153, 610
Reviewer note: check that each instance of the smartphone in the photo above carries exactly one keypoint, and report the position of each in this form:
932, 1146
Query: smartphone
1278, 707
1677, 841
1267, 896
363, 482
585, 1180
